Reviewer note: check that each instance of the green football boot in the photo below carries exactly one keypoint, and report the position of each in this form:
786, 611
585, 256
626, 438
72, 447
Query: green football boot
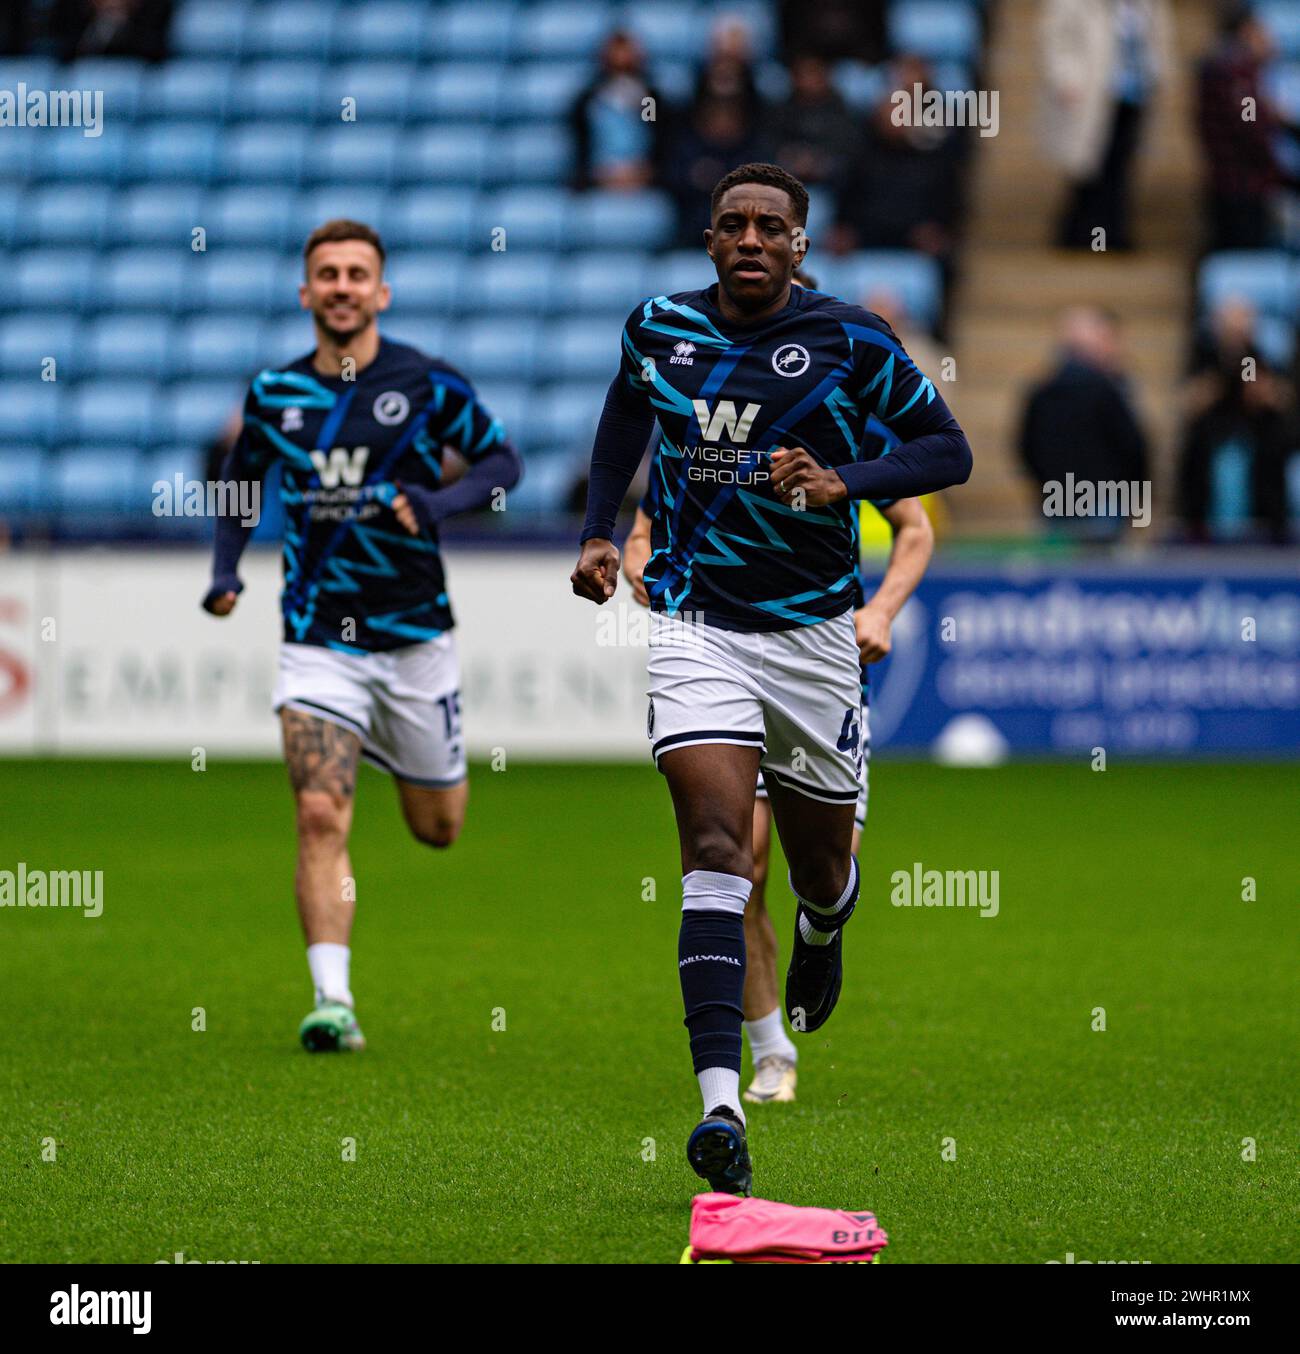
331, 1028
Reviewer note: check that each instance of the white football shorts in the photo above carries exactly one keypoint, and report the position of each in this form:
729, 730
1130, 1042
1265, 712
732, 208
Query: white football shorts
859, 813
794, 694
404, 704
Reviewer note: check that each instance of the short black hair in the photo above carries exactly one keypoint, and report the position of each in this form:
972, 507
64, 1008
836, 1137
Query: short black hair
771, 175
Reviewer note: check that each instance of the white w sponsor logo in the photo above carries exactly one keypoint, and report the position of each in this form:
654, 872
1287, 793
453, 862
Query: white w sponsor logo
723, 420
342, 465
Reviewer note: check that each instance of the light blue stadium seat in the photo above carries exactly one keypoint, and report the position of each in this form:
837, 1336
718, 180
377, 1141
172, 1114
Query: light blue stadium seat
264, 153
860, 85
821, 213
606, 282
195, 411
161, 466
249, 216
13, 219
16, 155
36, 72
157, 214
1283, 20
95, 481
473, 30
429, 333
380, 92
382, 30
353, 153
292, 29
424, 280
243, 279
1267, 278
49, 279
64, 153
457, 92
120, 82
444, 153
169, 150
524, 154
23, 481
510, 403
551, 473
108, 411
566, 415
512, 282
606, 220
937, 29
681, 270
210, 28
579, 350
675, 80
284, 340
27, 340
541, 90
533, 218
563, 29
423, 217
162, 279
189, 89
65, 213
284, 92
211, 346
128, 345
357, 202
1283, 85
30, 410
1275, 337
915, 279
672, 30
491, 351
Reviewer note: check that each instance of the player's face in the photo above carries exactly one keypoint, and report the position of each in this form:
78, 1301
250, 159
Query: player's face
755, 244
345, 288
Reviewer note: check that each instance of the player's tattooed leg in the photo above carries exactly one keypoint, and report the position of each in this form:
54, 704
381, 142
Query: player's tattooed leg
320, 755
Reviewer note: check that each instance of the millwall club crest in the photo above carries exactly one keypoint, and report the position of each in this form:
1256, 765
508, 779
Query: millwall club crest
790, 359
391, 407
683, 351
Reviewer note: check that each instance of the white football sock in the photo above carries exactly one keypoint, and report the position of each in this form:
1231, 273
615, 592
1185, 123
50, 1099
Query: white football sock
811, 935
721, 1086
767, 1036
329, 971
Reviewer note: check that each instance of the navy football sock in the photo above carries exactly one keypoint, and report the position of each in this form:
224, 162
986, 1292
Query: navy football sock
711, 966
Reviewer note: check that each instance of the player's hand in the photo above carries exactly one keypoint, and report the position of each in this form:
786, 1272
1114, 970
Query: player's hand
636, 551
799, 481
596, 575
872, 629
415, 508
222, 595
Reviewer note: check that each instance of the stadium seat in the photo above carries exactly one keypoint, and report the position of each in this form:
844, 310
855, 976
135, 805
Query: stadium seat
16, 154
915, 279
491, 351
65, 214
95, 481
540, 91
682, 270
163, 279
1275, 336
671, 30
582, 350
566, 415
292, 30
264, 152
541, 154
168, 150
68, 154
228, 346
249, 216
604, 220
161, 466
380, 91
474, 30
284, 340
29, 411
861, 86
445, 153
180, 89
551, 474
120, 82
563, 29
243, 279
533, 218
382, 30
157, 214
610, 283
1267, 278
423, 280
210, 28
278, 91
23, 481
357, 202
510, 403
128, 345
1283, 20
937, 29
432, 216
26, 340
428, 333
194, 412
351, 153
457, 92
46, 279
107, 411
508, 283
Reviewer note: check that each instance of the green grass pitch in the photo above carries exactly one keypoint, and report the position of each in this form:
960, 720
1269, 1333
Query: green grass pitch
560, 1137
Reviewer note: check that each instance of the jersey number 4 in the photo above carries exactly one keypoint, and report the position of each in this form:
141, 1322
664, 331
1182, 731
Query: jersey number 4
851, 733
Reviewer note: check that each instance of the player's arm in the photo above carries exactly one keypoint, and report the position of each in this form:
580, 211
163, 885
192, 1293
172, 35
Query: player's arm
636, 551
621, 436
932, 454
909, 556
245, 465
461, 422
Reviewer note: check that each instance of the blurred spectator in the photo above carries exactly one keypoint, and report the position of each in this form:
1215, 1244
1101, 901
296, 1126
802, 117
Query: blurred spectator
716, 138
618, 121
902, 189
813, 133
127, 28
1080, 421
917, 342
728, 73
1103, 63
1242, 166
835, 30
1241, 429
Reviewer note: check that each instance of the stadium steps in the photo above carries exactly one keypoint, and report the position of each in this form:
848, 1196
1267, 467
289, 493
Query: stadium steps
1014, 284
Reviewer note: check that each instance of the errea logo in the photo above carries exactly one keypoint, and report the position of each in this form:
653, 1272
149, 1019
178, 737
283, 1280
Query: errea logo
682, 353
724, 421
